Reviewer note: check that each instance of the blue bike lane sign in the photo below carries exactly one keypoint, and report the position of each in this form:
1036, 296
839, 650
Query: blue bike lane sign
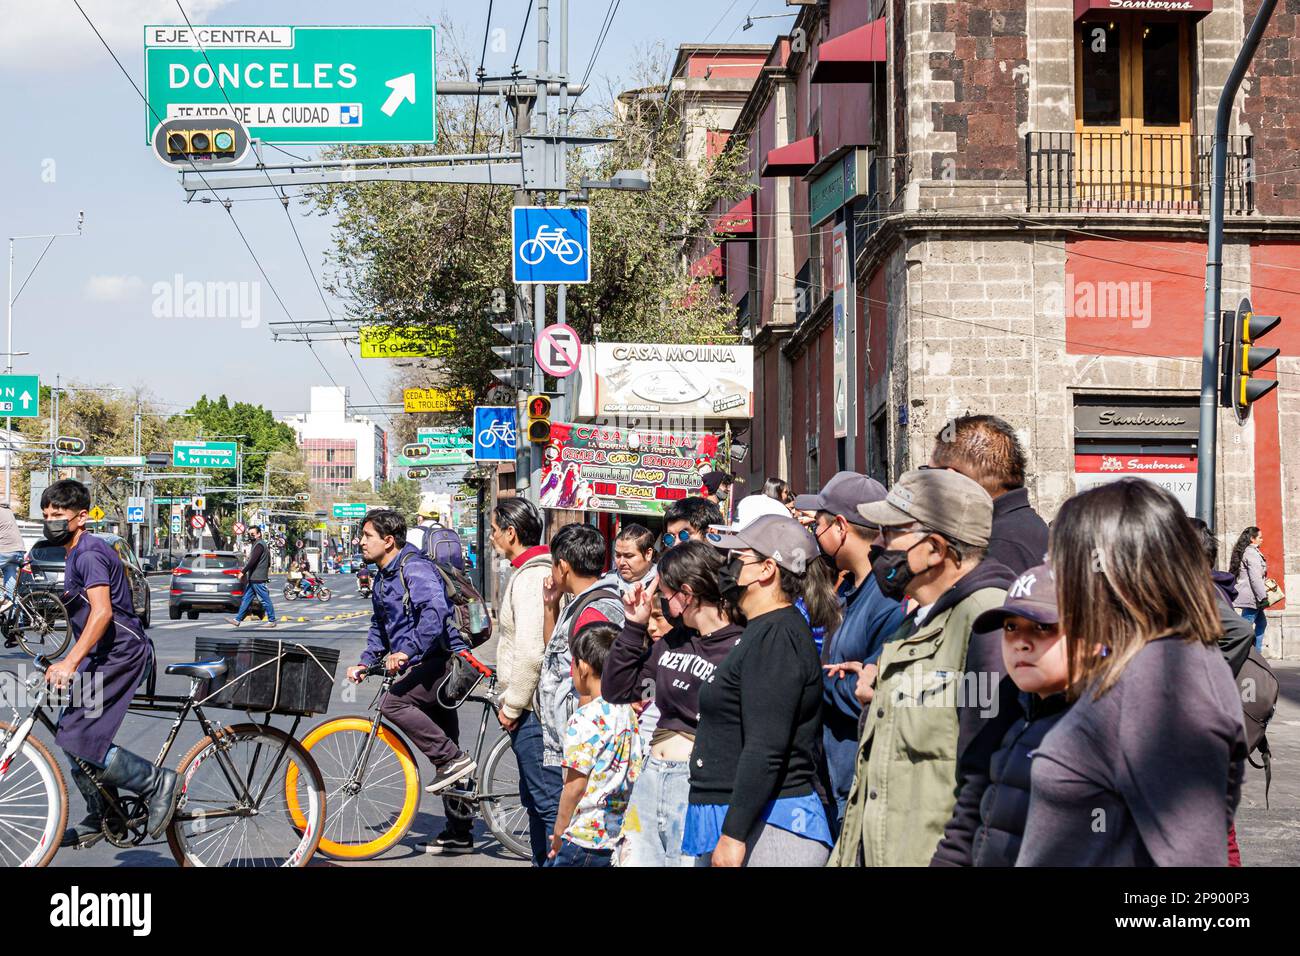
551, 244
496, 433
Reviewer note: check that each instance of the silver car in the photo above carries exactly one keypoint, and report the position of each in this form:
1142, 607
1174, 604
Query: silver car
207, 581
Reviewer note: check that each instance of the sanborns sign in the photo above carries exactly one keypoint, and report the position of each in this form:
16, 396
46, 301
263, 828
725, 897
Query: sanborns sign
670, 381
290, 84
1171, 6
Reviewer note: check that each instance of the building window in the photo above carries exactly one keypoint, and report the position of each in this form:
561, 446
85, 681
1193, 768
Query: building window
1133, 74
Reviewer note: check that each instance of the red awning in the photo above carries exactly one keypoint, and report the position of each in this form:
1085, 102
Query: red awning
849, 57
738, 220
792, 160
1198, 8
709, 264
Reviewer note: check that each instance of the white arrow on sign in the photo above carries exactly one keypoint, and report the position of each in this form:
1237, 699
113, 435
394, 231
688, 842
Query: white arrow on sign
403, 88
26, 396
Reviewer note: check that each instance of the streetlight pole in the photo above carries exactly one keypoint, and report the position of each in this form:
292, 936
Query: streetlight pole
9, 324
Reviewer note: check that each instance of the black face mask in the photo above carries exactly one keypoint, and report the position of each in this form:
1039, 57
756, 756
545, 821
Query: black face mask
893, 573
729, 585
56, 531
674, 620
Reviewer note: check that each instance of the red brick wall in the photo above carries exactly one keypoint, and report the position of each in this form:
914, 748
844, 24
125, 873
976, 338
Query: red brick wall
1272, 108
990, 99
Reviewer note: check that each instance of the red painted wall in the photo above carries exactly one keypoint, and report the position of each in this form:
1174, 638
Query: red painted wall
1126, 298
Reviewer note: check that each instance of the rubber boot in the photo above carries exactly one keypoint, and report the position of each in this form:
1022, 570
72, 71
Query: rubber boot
93, 822
157, 786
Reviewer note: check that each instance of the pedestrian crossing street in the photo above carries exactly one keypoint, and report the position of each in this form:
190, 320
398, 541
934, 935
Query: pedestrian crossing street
219, 623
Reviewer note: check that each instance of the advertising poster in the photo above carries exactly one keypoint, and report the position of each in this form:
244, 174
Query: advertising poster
674, 381
1174, 473
842, 317
596, 468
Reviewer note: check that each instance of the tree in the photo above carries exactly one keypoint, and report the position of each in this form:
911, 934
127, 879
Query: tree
437, 256
402, 495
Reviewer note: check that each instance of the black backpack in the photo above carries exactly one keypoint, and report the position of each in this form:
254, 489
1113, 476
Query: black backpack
1259, 688
469, 615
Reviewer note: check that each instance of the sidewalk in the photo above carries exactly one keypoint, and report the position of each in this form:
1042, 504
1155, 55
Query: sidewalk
1271, 836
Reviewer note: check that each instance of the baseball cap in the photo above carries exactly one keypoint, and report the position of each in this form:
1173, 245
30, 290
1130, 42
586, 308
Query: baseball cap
842, 495
1032, 595
944, 501
429, 512
780, 538
714, 480
750, 509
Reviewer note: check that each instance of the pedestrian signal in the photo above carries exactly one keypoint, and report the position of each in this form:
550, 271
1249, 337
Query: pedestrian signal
539, 418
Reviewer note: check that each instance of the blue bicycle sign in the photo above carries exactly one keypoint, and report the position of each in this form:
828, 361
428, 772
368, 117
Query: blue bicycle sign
496, 433
551, 244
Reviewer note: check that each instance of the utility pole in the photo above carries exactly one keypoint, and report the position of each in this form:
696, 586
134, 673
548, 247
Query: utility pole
1207, 443
540, 127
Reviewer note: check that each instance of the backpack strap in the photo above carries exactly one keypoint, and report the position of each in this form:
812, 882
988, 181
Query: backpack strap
406, 590
599, 594
1266, 755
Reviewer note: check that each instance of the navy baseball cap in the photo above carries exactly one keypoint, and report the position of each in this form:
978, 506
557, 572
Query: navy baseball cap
842, 495
1032, 596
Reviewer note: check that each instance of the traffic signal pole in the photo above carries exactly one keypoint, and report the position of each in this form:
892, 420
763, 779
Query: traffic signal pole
1207, 444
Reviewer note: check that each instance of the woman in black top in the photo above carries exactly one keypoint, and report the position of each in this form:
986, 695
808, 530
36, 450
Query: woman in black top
752, 801
669, 671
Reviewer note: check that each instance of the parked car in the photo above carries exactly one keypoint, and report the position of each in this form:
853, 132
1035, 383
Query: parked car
208, 581
48, 562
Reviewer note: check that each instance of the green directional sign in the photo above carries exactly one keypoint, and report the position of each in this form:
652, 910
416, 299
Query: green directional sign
20, 396
345, 511
439, 438
296, 84
99, 461
204, 454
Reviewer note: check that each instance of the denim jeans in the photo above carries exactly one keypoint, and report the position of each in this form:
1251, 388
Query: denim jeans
539, 786
570, 854
1257, 617
652, 826
256, 588
10, 562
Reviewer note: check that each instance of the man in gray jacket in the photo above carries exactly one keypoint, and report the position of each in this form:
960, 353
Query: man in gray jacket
256, 573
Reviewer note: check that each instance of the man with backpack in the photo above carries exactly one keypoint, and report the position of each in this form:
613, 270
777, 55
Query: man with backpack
413, 633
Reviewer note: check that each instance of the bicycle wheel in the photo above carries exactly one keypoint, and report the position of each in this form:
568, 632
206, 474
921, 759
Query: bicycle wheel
503, 808
536, 247
368, 818
42, 624
217, 824
33, 804
574, 249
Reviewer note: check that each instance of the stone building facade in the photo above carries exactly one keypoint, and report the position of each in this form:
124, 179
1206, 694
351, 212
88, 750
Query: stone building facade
1023, 233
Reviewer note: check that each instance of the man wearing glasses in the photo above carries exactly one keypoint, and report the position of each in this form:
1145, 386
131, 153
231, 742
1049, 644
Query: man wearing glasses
688, 518
937, 694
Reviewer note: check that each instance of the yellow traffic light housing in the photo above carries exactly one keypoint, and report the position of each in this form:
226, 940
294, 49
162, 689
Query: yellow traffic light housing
1239, 389
539, 418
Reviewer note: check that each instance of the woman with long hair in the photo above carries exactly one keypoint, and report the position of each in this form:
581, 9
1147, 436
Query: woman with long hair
668, 669
780, 490
752, 768
1251, 571
1146, 768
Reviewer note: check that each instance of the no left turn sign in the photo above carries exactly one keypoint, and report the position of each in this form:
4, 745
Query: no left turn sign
557, 350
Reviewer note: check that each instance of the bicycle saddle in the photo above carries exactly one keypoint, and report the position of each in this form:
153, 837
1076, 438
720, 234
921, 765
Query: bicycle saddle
203, 670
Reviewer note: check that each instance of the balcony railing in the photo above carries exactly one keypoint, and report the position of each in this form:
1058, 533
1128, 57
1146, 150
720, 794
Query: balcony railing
1133, 172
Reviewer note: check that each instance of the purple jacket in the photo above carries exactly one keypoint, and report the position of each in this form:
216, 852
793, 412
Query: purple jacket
423, 629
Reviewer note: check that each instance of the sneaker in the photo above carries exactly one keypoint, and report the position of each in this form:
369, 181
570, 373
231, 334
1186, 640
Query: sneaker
268, 624
462, 765
234, 621
450, 841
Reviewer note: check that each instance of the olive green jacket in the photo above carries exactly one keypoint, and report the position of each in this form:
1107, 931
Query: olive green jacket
905, 785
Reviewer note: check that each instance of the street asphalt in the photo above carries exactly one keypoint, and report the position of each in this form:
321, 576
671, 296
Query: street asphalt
1269, 835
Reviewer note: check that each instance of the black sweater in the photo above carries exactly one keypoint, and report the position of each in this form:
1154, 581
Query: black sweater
760, 719
669, 671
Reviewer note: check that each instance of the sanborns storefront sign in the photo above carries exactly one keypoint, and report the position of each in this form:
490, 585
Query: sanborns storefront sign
1199, 7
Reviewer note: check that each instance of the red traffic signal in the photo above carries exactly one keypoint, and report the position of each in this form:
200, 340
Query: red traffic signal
539, 418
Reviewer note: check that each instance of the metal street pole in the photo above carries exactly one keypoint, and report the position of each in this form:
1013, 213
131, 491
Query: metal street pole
1207, 444
9, 323
540, 126
562, 290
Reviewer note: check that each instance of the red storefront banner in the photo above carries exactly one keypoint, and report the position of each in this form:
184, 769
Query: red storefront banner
1174, 473
1198, 7
600, 468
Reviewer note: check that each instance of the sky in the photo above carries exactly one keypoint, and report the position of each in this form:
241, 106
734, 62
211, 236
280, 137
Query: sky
96, 310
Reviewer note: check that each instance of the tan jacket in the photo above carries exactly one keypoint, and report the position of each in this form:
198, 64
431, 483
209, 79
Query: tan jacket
905, 784
520, 648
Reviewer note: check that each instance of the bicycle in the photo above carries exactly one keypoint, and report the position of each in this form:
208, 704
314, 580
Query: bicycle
489, 436
554, 241
222, 818
38, 621
373, 781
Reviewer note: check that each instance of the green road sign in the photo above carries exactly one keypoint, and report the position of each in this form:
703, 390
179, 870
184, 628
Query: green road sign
440, 458
357, 510
446, 438
204, 454
20, 396
99, 461
296, 84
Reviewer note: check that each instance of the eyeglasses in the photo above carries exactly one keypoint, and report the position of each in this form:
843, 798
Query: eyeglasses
734, 555
668, 540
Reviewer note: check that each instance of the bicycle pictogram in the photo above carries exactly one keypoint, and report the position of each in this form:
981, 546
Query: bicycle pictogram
550, 239
499, 430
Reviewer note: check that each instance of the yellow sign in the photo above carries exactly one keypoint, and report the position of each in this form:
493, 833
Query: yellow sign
406, 341
97, 513
436, 399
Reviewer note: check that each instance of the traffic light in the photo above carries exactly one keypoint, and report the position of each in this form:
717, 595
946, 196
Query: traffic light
1239, 389
518, 354
218, 142
72, 446
416, 449
539, 418
415, 473
191, 143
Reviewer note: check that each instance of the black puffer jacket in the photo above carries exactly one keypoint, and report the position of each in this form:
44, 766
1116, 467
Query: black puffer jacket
1004, 806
